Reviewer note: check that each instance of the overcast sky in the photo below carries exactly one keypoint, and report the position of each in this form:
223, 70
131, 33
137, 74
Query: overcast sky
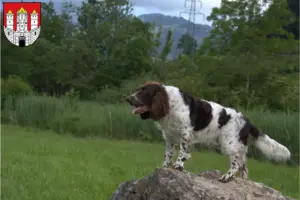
174, 8
167, 7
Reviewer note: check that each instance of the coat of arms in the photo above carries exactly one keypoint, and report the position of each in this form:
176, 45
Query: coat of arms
22, 22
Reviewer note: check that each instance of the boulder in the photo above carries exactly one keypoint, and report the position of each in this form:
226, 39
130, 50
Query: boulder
170, 184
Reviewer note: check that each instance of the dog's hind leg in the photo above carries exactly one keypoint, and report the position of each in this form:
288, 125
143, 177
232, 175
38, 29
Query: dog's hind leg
243, 168
236, 162
237, 154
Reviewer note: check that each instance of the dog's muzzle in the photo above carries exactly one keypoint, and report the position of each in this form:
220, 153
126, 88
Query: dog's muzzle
128, 99
131, 100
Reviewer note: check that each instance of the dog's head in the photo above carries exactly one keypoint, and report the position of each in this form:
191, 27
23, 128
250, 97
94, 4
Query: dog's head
150, 101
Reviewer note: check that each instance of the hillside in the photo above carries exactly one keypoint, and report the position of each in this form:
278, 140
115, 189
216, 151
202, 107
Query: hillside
179, 26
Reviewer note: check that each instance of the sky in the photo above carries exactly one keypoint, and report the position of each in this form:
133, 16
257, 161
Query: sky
175, 8
166, 7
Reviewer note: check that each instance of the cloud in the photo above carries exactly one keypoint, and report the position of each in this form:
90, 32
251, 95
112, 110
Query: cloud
166, 7
175, 8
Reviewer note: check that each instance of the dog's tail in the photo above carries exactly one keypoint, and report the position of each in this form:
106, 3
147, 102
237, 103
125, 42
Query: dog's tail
269, 147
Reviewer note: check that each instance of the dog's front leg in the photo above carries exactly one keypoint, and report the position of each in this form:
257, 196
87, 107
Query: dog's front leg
183, 151
169, 151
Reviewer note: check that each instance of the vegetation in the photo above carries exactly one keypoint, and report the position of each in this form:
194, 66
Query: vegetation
73, 80
188, 44
67, 115
179, 27
106, 47
42, 165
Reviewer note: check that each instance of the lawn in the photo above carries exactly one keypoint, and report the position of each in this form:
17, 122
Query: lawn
40, 165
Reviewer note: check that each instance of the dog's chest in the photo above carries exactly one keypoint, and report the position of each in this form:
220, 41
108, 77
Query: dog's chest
175, 125
172, 128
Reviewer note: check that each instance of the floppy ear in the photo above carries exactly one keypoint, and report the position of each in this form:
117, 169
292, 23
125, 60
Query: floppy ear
160, 106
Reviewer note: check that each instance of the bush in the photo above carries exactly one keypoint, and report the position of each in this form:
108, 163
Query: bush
13, 87
231, 81
117, 95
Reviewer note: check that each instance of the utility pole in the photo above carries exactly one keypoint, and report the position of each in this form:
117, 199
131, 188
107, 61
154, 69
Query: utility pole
192, 9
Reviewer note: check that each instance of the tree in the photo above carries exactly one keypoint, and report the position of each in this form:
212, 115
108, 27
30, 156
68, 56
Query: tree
187, 43
123, 41
249, 58
167, 47
242, 27
105, 46
294, 27
14, 60
52, 25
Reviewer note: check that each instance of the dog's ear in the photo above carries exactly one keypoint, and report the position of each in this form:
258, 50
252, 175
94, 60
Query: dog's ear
160, 105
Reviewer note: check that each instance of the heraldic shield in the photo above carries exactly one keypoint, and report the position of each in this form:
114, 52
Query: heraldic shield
22, 22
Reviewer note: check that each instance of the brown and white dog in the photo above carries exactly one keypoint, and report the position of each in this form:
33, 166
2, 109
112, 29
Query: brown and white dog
185, 120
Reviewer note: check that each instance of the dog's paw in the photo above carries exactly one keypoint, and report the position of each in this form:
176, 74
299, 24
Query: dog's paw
166, 165
178, 167
244, 176
225, 178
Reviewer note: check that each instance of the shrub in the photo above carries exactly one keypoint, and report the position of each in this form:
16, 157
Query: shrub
12, 87
229, 80
117, 95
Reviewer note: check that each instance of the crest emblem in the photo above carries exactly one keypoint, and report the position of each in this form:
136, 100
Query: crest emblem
22, 22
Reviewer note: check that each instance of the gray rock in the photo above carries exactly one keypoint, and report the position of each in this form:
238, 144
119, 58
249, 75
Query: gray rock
170, 184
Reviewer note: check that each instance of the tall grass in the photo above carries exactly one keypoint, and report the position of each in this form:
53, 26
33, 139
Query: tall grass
69, 116
78, 118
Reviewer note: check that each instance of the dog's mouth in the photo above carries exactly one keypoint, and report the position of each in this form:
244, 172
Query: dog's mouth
138, 106
139, 109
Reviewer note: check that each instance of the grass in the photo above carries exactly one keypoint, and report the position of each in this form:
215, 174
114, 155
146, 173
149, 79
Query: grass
115, 121
42, 165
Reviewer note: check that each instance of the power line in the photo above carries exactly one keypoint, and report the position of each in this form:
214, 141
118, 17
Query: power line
192, 9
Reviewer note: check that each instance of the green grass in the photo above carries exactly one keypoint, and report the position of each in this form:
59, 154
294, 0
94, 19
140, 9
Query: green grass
40, 165
67, 115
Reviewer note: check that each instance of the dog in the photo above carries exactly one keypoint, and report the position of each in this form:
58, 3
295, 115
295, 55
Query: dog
186, 120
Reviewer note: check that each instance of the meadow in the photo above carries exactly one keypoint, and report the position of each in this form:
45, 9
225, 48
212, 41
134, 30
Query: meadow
42, 165
68, 115
67, 147
41, 158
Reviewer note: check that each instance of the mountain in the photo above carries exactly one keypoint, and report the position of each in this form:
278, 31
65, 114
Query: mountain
179, 26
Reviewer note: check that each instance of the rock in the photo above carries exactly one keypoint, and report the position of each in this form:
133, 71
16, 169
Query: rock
170, 184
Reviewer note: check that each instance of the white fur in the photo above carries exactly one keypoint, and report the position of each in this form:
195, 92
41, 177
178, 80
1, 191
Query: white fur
178, 121
176, 129
272, 149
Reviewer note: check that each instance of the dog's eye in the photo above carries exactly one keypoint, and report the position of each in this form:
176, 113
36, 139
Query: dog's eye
143, 89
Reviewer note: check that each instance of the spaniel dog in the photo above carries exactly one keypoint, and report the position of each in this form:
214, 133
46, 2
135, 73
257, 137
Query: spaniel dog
186, 120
